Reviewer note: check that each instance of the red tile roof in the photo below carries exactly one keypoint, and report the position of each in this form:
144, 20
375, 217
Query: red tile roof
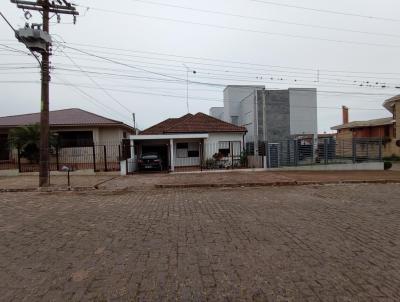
164, 125
65, 117
198, 123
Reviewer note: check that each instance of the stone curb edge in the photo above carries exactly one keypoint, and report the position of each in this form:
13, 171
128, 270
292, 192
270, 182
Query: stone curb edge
277, 184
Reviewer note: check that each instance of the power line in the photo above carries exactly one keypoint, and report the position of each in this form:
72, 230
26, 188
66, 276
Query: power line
208, 100
368, 84
279, 81
89, 97
264, 19
137, 68
97, 47
364, 94
246, 29
93, 81
326, 11
272, 76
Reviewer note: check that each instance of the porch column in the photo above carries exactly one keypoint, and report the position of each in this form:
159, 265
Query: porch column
171, 146
132, 148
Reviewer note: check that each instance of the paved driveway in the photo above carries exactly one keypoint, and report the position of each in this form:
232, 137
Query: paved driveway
328, 243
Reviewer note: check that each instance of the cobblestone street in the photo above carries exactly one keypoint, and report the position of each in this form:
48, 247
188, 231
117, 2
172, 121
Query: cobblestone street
308, 243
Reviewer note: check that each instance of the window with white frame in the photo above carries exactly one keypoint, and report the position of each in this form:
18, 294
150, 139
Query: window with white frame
186, 150
224, 148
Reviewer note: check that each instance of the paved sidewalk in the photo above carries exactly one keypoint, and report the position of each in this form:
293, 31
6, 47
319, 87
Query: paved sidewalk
146, 181
30, 183
314, 243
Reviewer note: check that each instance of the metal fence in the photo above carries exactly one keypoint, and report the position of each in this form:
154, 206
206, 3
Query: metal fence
325, 151
101, 157
212, 156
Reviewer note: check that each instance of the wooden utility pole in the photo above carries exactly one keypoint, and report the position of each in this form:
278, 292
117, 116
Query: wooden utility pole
46, 7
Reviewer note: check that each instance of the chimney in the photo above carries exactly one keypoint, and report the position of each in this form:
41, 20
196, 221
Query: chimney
345, 114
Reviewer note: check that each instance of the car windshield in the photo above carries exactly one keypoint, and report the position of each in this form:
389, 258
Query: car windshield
150, 156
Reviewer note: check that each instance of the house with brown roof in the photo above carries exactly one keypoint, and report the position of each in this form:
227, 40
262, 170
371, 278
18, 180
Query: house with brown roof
190, 140
386, 129
75, 128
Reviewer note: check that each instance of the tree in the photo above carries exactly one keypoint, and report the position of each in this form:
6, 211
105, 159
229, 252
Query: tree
27, 140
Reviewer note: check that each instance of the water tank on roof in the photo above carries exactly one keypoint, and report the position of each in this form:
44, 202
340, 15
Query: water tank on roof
34, 38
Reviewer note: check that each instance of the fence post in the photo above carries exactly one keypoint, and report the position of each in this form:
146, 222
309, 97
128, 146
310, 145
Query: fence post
266, 162
354, 151
105, 158
94, 158
19, 160
326, 151
380, 149
57, 159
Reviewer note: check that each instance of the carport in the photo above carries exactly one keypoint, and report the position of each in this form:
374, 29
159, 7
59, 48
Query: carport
166, 145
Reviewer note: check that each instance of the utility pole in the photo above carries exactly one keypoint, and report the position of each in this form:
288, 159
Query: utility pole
45, 7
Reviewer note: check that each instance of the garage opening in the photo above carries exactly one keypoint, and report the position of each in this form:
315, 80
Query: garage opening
161, 150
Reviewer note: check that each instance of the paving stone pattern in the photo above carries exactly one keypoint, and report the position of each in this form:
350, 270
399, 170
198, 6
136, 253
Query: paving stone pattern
313, 243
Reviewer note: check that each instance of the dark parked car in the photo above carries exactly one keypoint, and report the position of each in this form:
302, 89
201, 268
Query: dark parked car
150, 161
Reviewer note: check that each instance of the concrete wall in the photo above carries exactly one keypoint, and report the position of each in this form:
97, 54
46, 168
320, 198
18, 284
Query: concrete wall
233, 95
284, 113
303, 111
274, 115
217, 112
246, 118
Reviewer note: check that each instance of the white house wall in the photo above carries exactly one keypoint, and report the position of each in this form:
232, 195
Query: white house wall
187, 161
211, 145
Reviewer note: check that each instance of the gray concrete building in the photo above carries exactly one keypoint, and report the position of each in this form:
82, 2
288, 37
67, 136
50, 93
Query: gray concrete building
270, 115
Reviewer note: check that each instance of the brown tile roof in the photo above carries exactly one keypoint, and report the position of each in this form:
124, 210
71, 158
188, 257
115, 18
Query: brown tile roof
198, 123
370, 123
65, 117
164, 125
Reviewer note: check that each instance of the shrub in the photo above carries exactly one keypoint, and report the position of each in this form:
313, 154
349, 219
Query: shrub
392, 158
387, 165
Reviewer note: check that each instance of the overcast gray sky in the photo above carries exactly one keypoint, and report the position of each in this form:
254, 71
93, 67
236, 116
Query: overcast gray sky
156, 38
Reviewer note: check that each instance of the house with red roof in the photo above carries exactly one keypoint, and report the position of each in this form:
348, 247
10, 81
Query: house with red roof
76, 129
190, 141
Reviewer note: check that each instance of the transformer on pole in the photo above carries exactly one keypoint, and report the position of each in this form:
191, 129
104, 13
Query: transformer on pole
37, 39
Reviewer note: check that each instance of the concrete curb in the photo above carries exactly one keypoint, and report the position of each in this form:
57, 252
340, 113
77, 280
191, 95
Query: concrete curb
277, 184
47, 190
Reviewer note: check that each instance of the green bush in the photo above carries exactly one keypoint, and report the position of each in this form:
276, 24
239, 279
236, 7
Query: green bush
387, 165
392, 158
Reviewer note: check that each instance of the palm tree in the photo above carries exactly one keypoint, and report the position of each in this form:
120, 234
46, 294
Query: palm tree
27, 140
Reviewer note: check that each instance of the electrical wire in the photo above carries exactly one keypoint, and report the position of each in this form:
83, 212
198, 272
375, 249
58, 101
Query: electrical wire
326, 11
205, 99
208, 11
93, 81
248, 64
352, 42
